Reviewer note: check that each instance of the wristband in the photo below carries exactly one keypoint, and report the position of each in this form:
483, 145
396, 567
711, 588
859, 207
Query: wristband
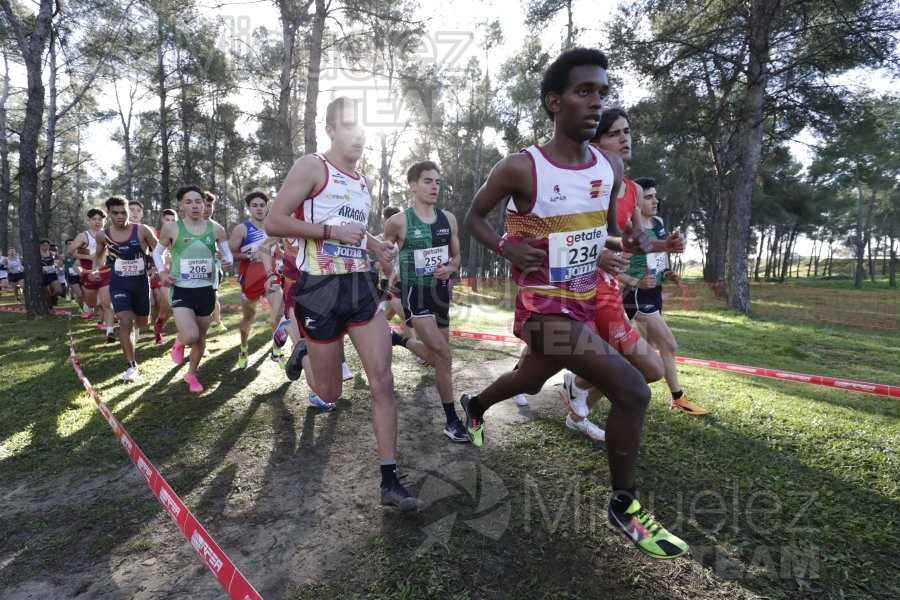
326, 232
501, 245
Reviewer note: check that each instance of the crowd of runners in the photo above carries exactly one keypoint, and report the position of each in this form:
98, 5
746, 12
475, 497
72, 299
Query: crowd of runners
588, 254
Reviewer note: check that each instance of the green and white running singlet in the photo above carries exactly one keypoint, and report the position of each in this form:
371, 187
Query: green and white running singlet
193, 257
425, 248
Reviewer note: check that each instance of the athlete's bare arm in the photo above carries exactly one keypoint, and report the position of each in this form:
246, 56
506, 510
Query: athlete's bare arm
238, 235
509, 177
100, 255
444, 272
72, 249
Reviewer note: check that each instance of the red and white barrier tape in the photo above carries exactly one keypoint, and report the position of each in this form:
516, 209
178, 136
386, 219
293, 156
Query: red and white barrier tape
59, 312
230, 578
879, 389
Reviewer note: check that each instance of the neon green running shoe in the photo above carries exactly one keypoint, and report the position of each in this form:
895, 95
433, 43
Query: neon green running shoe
242, 360
474, 427
646, 533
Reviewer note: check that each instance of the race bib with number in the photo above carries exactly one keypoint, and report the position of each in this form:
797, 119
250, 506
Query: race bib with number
72, 271
128, 268
196, 268
428, 260
574, 254
49, 269
657, 262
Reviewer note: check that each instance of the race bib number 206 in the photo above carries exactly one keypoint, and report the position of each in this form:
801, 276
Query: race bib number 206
574, 254
196, 268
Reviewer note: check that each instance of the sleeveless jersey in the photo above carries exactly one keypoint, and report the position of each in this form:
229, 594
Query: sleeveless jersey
48, 264
344, 199
91, 248
568, 215
425, 248
193, 257
254, 239
14, 265
656, 262
126, 258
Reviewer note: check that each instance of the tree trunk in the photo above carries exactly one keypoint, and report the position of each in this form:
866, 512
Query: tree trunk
5, 182
871, 257
165, 200
284, 130
762, 242
830, 259
187, 161
126, 130
789, 252
749, 152
809, 263
32, 52
312, 77
45, 193
892, 234
570, 29
714, 269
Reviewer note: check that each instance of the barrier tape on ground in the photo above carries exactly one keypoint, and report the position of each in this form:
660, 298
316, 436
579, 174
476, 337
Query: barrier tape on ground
59, 312
891, 391
230, 578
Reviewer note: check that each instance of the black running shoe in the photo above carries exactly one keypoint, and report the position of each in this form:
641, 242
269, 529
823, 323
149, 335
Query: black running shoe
394, 494
294, 366
456, 432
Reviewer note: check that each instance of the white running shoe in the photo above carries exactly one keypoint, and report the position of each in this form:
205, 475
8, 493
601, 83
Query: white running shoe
130, 374
575, 397
587, 428
520, 399
346, 373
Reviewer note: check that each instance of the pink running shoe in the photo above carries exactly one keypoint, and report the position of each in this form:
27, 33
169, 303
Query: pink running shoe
177, 352
193, 385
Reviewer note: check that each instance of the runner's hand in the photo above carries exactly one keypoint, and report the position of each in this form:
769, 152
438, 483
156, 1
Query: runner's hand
648, 282
636, 241
523, 255
271, 283
673, 277
612, 263
351, 233
166, 279
386, 252
225, 265
675, 242
393, 280
444, 272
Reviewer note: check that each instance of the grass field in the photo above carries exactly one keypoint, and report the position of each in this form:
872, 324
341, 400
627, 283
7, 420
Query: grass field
784, 491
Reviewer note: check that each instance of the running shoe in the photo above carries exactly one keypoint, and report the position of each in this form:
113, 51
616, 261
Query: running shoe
586, 427
394, 494
397, 339
317, 402
110, 338
346, 373
221, 326
86, 314
575, 397
474, 427
278, 355
687, 406
130, 374
242, 360
294, 365
520, 400
422, 361
646, 533
193, 385
456, 432
177, 352
158, 338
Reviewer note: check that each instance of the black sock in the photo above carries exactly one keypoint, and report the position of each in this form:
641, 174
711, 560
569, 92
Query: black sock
621, 500
397, 339
450, 411
476, 411
388, 474
677, 395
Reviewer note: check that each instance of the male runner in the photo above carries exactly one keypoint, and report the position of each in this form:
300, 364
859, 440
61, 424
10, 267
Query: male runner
123, 248
643, 301
96, 285
325, 203
73, 278
256, 279
557, 218
614, 135
50, 282
16, 270
160, 308
192, 242
209, 203
429, 255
